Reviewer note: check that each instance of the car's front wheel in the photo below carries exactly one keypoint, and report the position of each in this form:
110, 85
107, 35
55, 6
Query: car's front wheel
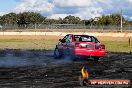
57, 53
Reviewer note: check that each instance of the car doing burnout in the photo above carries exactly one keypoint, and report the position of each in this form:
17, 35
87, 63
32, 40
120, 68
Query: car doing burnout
79, 45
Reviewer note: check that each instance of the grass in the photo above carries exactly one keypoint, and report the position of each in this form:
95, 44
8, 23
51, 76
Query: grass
117, 46
49, 44
27, 44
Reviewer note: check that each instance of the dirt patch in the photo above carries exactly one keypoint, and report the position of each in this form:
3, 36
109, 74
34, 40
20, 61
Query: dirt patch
114, 38
39, 69
29, 37
58, 37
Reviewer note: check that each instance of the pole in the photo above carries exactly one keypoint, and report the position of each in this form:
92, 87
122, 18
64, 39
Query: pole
35, 26
121, 20
129, 42
129, 26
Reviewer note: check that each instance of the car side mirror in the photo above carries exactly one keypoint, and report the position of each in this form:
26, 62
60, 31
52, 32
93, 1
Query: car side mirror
60, 40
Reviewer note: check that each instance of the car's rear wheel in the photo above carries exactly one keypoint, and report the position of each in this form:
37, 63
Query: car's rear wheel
96, 59
57, 54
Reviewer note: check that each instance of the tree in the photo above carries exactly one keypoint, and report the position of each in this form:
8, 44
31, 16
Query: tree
71, 20
26, 18
51, 21
113, 19
0, 20
10, 18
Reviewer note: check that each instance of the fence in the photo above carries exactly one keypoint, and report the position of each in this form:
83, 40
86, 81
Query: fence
115, 42
66, 26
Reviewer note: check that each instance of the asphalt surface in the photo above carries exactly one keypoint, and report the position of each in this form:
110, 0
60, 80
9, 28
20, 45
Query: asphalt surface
39, 69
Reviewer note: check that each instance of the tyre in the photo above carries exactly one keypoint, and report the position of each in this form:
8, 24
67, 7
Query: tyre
57, 54
96, 59
73, 57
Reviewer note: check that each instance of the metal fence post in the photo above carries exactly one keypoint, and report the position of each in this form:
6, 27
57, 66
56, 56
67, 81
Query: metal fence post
35, 26
129, 42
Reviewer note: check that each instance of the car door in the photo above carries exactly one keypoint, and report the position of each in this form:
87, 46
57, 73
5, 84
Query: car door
60, 46
69, 44
63, 45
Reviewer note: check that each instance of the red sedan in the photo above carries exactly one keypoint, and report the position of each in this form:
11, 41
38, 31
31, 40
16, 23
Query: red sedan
79, 45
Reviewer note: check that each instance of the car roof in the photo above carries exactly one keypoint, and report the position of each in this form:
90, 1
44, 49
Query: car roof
84, 35
81, 35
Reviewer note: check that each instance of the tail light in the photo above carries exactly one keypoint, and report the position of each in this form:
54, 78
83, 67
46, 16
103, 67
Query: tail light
77, 44
103, 46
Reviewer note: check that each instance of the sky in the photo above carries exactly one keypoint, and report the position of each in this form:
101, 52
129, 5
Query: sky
85, 9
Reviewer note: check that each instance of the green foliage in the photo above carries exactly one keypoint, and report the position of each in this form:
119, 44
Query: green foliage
117, 46
50, 21
29, 18
10, 18
113, 19
26, 18
71, 20
49, 44
0, 20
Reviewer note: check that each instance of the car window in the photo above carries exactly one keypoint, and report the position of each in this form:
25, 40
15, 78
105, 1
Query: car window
85, 38
95, 40
67, 39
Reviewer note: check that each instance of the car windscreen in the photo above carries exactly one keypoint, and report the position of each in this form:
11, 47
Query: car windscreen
85, 38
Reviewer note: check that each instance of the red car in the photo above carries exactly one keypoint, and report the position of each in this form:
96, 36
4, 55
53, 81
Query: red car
79, 45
